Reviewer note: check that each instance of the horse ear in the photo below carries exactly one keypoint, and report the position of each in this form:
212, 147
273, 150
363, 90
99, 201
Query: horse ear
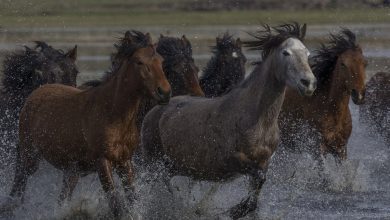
238, 42
161, 36
72, 54
148, 38
127, 35
303, 32
184, 38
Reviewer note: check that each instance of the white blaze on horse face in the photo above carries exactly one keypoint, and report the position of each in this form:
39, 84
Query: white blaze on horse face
298, 73
234, 54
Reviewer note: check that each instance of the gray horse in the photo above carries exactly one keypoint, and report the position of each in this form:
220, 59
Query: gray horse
215, 139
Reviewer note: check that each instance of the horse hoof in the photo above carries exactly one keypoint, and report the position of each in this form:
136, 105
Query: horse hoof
243, 208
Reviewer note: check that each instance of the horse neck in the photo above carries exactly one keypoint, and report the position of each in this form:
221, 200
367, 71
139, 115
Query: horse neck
259, 98
178, 87
119, 98
334, 95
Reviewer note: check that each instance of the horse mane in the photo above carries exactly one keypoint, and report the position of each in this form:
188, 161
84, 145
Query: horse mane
326, 57
18, 69
125, 48
271, 37
226, 42
48, 50
171, 47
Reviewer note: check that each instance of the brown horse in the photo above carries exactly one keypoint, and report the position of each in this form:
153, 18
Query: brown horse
179, 68
94, 130
340, 70
376, 110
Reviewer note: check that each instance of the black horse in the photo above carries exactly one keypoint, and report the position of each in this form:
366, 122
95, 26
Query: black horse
25, 70
225, 69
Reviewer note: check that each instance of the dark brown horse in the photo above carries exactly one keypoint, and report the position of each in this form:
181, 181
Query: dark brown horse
340, 70
376, 109
93, 130
179, 68
218, 138
24, 71
225, 69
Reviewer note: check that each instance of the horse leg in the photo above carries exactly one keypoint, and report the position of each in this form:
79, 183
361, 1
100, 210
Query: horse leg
27, 161
69, 182
250, 203
107, 181
126, 174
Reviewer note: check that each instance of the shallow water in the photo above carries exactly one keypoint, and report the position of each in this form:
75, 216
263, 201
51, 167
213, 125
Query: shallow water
296, 188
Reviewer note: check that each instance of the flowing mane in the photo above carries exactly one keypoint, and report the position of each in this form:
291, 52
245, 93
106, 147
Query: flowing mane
49, 51
225, 43
326, 57
267, 41
18, 70
125, 47
172, 48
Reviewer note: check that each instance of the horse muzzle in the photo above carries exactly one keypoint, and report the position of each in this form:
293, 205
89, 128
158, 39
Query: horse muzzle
306, 87
163, 97
358, 97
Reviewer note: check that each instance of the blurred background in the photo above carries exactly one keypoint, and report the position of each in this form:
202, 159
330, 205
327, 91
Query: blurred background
94, 25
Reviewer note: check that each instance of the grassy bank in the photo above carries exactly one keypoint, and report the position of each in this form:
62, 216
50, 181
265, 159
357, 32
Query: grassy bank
130, 17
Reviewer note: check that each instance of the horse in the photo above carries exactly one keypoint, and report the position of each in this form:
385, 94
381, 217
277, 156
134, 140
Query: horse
376, 110
225, 69
217, 138
25, 70
179, 68
85, 131
340, 70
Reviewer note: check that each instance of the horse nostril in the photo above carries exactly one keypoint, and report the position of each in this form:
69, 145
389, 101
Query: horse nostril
163, 94
305, 82
160, 92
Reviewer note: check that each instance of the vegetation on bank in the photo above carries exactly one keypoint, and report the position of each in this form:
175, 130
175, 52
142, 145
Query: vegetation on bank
130, 17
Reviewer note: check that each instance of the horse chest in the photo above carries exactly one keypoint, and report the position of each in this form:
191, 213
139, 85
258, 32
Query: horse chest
121, 141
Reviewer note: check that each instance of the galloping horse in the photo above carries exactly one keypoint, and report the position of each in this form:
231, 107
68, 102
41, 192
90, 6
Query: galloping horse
340, 70
376, 109
179, 68
24, 71
93, 130
215, 139
225, 69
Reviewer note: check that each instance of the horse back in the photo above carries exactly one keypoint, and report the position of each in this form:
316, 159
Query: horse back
51, 121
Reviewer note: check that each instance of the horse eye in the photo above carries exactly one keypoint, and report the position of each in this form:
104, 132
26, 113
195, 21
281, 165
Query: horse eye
286, 53
139, 63
343, 65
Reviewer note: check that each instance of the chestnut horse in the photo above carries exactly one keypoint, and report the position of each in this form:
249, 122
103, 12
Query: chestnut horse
376, 109
179, 68
23, 71
215, 139
340, 70
226, 68
94, 130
